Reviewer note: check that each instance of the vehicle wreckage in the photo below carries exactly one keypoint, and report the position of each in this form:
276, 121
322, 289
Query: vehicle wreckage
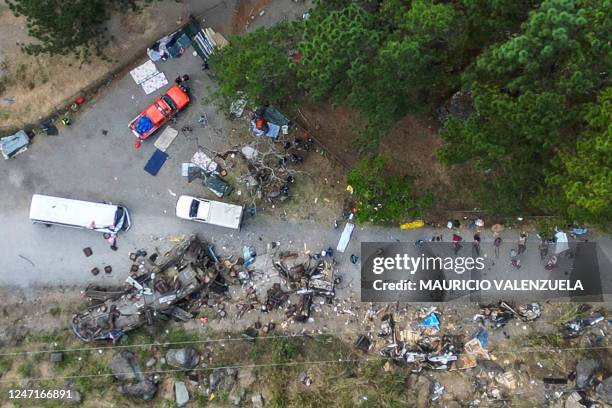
427, 347
308, 274
173, 286
177, 284
305, 275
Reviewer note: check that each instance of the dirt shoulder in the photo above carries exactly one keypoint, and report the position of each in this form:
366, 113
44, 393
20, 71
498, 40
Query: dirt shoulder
409, 149
523, 354
37, 86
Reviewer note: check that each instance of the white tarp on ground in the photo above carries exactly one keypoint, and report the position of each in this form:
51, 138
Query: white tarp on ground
166, 138
202, 160
154, 83
561, 242
149, 77
143, 72
345, 237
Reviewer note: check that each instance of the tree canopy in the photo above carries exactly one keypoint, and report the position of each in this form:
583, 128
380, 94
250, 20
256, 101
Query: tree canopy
67, 26
384, 198
583, 172
258, 65
532, 97
537, 74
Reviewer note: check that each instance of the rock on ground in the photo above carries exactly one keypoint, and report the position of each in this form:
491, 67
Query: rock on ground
257, 401
181, 394
236, 396
215, 379
604, 391
585, 369
75, 398
125, 367
186, 358
144, 390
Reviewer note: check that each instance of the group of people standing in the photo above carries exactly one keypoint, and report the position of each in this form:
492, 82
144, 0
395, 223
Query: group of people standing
515, 252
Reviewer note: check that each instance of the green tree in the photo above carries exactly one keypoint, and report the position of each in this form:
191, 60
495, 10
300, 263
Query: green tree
563, 48
258, 65
530, 95
63, 27
334, 45
383, 198
415, 61
490, 21
585, 173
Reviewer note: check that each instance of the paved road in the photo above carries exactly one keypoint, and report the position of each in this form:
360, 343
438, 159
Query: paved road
94, 160
83, 162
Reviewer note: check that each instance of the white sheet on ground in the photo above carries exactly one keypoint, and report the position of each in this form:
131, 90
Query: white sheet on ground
143, 72
345, 237
562, 242
166, 138
154, 83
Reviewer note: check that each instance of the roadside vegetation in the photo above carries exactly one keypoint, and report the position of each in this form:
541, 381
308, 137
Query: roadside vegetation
88, 372
536, 74
67, 26
384, 198
273, 366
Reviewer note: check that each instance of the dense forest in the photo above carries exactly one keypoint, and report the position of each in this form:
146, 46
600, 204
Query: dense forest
535, 73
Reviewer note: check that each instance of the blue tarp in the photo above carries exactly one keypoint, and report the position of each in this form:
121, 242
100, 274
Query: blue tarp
183, 41
272, 133
431, 320
155, 163
483, 336
272, 115
144, 125
273, 130
249, 254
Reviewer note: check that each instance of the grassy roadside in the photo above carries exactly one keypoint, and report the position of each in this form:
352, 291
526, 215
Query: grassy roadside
88, 371
341, 375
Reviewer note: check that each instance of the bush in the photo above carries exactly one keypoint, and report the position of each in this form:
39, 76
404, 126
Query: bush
382, 198
284, 349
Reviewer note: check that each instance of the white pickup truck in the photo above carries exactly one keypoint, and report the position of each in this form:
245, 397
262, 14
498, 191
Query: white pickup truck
209, 211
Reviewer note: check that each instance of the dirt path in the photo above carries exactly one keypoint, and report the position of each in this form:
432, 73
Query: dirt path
410, 149
246, 13
35, 86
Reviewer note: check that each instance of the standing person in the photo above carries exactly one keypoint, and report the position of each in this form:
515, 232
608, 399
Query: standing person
182, 79
476, 244
543, 247
497, 243
522, 243
112, 240
514, 259
456, 243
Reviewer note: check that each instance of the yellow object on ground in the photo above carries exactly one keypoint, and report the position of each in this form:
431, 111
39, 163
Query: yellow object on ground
412, 225
349, 188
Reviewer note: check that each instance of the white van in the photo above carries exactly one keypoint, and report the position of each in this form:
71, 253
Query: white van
100, 217
209, 211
